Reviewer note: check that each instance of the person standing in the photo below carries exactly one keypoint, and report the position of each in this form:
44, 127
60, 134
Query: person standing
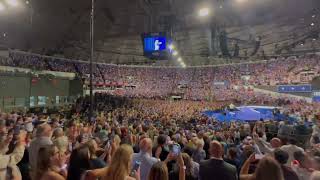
145, 157
216, 168
43, 139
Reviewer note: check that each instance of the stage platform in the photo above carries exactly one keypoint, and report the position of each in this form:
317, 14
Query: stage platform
247, 113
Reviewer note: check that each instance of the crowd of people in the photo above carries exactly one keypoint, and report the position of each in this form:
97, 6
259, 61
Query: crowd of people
143, 135
198, 82
154, 140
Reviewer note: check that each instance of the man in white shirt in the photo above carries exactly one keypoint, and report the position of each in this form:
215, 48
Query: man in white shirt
302, 165
291, 149
265, 147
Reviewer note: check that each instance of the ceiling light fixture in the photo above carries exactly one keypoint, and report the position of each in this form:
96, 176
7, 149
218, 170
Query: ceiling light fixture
204, 12
174, 53
12, 2
171, 46
2, 7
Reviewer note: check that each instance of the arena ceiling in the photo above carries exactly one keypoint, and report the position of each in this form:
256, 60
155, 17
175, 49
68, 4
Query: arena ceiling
53, 23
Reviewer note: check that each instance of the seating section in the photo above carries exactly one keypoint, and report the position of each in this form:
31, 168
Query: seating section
193, 82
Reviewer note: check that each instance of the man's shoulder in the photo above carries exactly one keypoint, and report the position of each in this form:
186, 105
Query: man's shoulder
219, 162
229, 166
300, 148
284, 147
152, 158
204, 162
137, 156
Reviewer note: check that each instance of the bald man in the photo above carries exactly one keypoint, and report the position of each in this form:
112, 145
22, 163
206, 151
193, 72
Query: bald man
265, 147
42, 139
216, 168
145, 157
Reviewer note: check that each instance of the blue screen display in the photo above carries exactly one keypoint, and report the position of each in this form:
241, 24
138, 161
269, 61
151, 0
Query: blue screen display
316, 98
294, 88
154, 44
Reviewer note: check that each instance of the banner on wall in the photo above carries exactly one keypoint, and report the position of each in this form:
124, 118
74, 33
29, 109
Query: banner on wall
294, 88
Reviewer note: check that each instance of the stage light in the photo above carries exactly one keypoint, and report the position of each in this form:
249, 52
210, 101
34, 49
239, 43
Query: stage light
204, 12
174, 53
171, 46
312, 24
242, 1
183, 65
2, 7
12, 2
301, 44
179, 59
27, 2
314, 39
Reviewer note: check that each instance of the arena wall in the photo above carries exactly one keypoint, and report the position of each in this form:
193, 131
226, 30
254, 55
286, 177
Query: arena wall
26, 90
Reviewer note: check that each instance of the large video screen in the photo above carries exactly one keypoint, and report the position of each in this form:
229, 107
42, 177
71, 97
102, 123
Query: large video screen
155, 43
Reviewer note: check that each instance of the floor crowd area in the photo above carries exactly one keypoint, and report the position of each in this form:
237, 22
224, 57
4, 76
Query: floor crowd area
153, 139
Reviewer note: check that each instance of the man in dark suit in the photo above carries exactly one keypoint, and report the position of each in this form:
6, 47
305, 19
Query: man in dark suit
216, 168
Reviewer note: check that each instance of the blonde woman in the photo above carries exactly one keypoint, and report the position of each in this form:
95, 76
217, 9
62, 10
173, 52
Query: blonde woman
50, 164
120, 167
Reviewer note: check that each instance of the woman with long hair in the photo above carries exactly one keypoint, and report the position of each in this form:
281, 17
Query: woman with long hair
268, 168
50, 164
95, 162
191, 168
120, 167
159, 171
79, 163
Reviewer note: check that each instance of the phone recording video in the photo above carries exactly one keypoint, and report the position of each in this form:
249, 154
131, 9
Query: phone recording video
175, 149
135, 167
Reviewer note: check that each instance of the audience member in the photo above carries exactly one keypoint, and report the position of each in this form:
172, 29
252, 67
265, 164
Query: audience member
267, 169
51, 164
145, 158
282, 158
42, 139
216, 167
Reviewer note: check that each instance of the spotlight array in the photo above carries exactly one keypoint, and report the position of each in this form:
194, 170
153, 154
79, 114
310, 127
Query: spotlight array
175, 53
